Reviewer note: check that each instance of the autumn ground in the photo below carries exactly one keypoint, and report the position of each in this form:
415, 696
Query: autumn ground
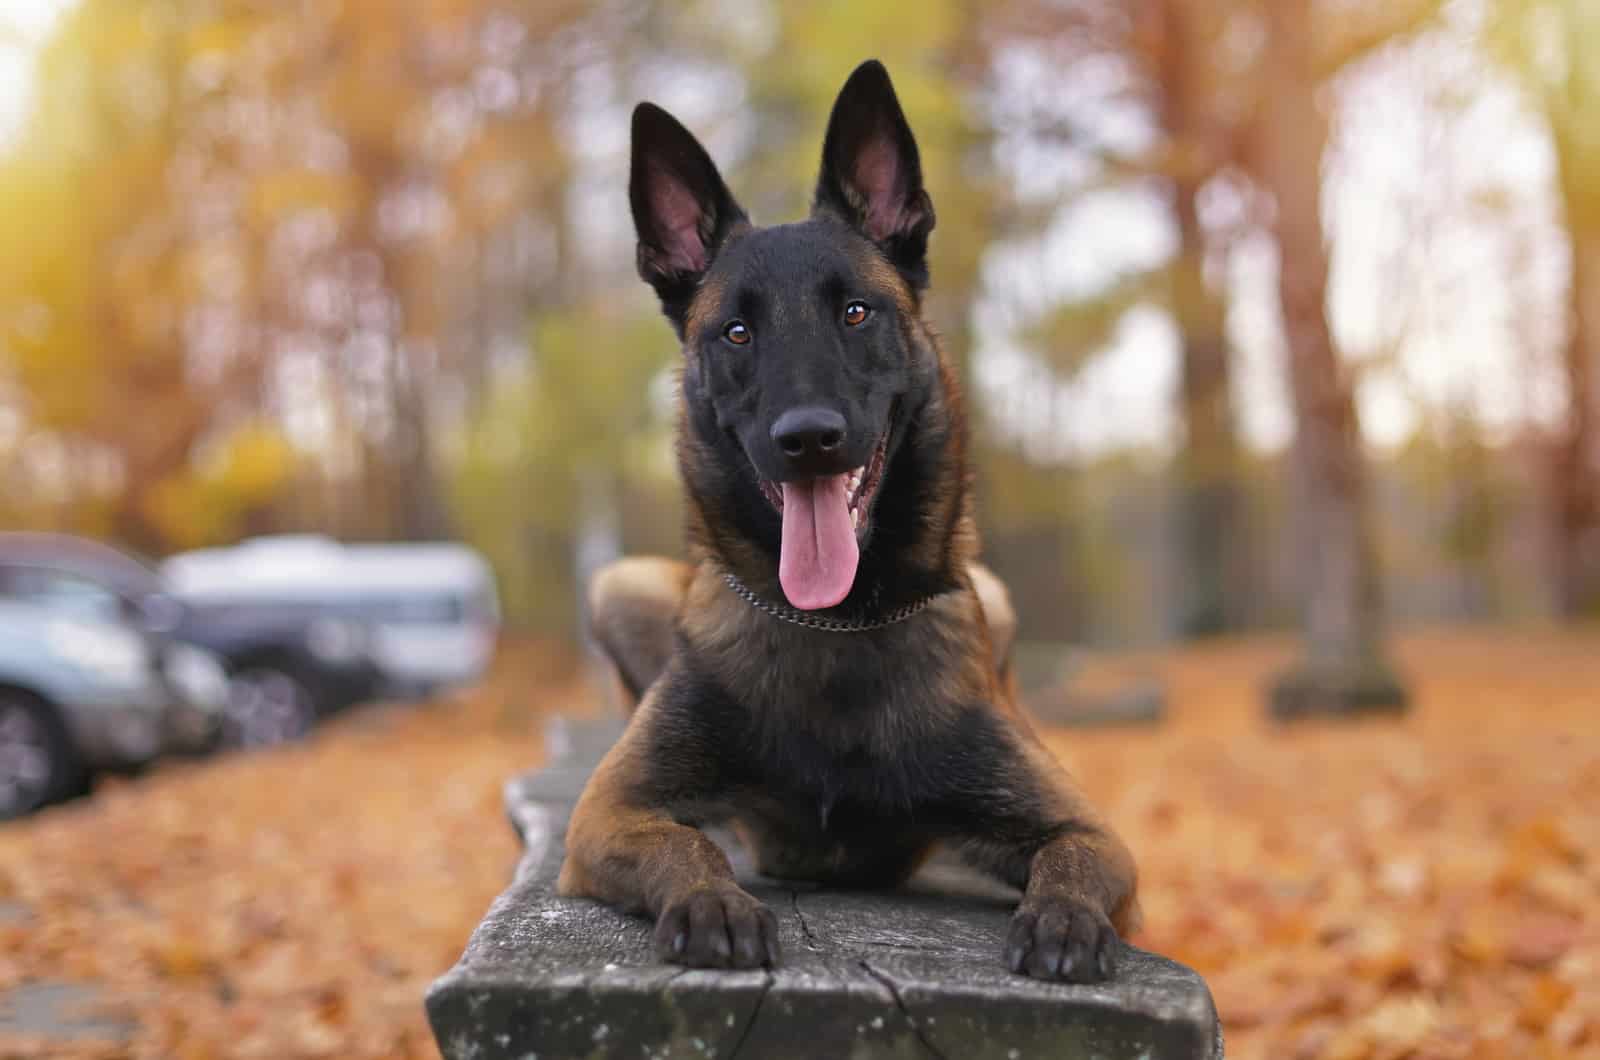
1415, 888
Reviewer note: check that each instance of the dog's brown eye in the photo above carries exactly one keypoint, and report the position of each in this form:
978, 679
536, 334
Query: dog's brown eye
736, 333
855, 313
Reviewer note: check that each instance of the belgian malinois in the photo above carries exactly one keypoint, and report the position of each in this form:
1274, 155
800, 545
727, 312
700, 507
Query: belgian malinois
829, 675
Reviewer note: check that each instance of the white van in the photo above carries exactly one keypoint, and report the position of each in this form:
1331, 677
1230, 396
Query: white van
433, 610
429, 613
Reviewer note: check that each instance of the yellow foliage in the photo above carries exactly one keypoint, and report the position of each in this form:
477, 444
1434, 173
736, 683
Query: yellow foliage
290, 191
219, 37
205, 505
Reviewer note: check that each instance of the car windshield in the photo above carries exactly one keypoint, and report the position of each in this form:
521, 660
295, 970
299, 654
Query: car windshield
432, 609
62, 592
394, 609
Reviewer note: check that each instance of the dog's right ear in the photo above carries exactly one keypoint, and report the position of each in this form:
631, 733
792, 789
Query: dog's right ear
682, 211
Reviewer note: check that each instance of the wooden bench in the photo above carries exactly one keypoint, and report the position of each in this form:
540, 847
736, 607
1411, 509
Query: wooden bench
911, 973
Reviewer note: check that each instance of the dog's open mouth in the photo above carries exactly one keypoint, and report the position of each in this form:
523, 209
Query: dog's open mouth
862, 484
824, 520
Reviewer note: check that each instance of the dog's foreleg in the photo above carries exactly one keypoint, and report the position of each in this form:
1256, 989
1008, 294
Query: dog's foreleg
627, 846
1078, 898
1077, 877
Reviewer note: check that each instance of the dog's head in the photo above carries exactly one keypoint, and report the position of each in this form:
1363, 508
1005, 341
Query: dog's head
803, 363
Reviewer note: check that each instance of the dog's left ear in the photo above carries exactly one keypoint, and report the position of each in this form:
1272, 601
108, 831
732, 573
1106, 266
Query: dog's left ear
871, 174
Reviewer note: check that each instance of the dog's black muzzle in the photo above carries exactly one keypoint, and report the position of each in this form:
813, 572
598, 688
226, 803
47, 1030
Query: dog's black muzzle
809, 441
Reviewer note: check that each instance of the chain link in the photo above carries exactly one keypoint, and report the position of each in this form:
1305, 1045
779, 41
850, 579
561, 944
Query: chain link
827, 625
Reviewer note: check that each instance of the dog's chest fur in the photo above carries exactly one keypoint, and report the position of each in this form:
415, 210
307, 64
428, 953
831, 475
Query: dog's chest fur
838, 735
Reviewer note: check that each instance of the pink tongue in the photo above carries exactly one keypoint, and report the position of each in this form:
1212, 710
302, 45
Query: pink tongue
817, 564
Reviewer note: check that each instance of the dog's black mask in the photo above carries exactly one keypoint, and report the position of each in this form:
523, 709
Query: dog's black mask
800, 365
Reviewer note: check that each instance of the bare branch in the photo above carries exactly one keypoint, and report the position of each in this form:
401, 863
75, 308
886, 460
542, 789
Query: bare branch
1346, 38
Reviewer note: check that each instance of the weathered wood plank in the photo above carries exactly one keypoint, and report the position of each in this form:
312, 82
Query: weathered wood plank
912, 974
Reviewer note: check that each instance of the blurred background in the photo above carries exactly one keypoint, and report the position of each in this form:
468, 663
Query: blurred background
368, 271
1280, 326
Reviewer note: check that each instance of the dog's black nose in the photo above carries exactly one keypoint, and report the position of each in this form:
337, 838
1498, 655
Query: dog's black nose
810, 438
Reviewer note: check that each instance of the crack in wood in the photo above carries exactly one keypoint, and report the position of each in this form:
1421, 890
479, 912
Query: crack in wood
755, 1013
812, 942
899, 1003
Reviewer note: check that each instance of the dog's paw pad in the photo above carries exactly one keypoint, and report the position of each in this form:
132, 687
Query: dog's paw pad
1061, 940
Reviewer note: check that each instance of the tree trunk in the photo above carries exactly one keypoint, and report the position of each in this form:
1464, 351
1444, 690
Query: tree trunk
1576, 471
1344, 668
1207, 522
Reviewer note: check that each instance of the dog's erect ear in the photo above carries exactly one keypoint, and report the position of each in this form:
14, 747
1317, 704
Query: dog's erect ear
682, 210
871, 175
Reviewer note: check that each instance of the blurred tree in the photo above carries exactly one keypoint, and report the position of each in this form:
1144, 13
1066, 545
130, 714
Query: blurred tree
1344, 667
580, 419
439, 134
1553, 47
1208, 75
1184, 37
1171, 59
283, 266
937, 59
289, 181
1473, 514
97, 272
209, 504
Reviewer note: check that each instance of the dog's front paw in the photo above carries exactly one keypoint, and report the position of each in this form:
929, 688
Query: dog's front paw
717, 927
1061, 939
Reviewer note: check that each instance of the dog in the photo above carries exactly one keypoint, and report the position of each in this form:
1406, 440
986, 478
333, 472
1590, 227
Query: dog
829, 673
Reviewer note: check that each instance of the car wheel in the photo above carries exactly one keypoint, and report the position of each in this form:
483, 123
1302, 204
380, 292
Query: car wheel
38, 764
267, 706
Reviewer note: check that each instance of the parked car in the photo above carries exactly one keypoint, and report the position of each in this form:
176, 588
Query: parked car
82, 692
429, 613
434, 613
286, 663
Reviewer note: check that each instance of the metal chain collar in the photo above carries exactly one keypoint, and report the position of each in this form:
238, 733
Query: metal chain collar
827, 625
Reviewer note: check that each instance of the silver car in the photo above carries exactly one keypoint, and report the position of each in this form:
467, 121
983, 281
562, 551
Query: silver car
80, 694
